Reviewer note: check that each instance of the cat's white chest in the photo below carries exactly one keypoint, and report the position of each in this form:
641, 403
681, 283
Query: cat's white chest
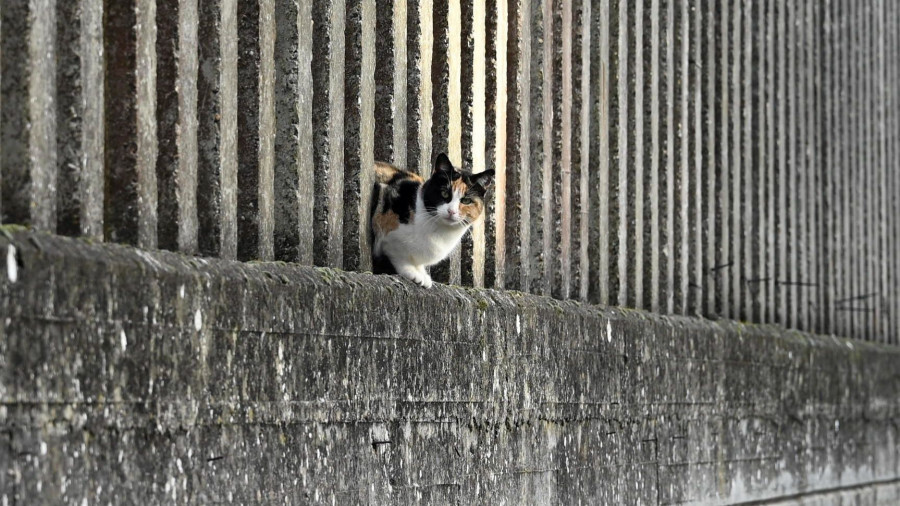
423, 243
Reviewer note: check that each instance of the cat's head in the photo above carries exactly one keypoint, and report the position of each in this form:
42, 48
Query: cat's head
455, 198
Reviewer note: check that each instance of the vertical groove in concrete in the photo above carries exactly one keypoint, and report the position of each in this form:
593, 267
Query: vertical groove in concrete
186, 177
460, 127
813, 187
602, 122
724, 266
565, 165
367, 132
418, 92
518, 111
42, 155
804, 283
387, 44
502, 139
782, 168
248, 129
754, 181
80, 126
710, 159
167, 112
619, 182
479, 131
130, 135
842, 249
801, 167
328, 130
266, 78
293, 170
549, 128
681, 222
217, 129
294, 174
638, 172
534, 251
658, 16
440, 77
587, 263
737, 169
770, 303
892, 19
829, 168
359, 131
856, 167
674, 230
697, 284
400, 52
494, 144
176, 113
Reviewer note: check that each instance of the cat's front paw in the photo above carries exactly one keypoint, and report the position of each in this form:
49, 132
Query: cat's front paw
417, 276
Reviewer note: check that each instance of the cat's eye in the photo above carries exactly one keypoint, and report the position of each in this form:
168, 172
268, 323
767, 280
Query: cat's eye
445, 193
466, 200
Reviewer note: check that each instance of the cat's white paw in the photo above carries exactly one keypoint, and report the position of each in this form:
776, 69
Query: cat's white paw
417, 276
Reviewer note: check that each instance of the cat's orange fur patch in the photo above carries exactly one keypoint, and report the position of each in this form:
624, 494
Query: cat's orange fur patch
471, 211
385, 222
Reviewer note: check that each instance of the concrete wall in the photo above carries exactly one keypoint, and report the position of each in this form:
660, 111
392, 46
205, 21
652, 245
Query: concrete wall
153, 378
731, 159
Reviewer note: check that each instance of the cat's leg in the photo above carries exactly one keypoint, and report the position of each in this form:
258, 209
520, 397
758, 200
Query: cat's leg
413, 273
428, 283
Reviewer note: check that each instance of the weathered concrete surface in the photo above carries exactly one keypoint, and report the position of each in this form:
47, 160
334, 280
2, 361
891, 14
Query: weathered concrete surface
146, 378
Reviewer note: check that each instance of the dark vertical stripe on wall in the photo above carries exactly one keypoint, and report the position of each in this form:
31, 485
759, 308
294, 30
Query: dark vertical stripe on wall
638, 125
697, 283
565, 171
537, 152
217, 133
440, 127
518, 110
736, 169
546, 256
724, 266
829, 203
493, 218
80, 125
585, 208
248, 130
176, 113
601, 158
293, 172
655, 117
359, 101
711, 286
328, 130
467, 133
386, 49
617, 33
130, 98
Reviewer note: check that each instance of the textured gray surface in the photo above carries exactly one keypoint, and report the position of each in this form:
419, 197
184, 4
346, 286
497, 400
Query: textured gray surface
145, 377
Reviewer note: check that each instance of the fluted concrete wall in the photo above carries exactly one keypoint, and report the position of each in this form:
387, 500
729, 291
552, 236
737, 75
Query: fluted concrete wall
731, 159
214, 381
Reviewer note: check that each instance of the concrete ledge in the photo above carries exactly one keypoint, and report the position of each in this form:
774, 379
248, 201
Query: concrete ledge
148, 377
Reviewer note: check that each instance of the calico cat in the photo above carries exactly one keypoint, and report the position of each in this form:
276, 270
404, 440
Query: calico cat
417, 223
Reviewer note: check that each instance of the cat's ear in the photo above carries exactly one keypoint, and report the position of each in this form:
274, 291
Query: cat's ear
442, 164
484, 179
